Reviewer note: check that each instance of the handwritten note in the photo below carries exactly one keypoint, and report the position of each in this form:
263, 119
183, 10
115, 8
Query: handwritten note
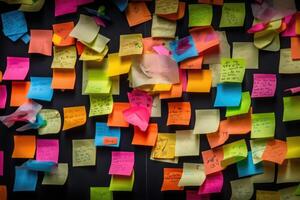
166, 6
257, 149
121, 163
193, 175
212, 184
200, 15
24, 146
232, 70
25, 180
47, 150
165, 146
286, 64
187, 143
179, 113
234, 152
118, 65
40, 88
58, 175
264, 85
53, 119
183, 48
171, 179
212, 160
228, 95
219, 137
233, 15
116, 118
84, 152
74, 117
275, 151
138, 116
263, 125
62, 31
145, 138
100, 104
19, 90
162, 28
16, 68
64, 57
137, 13
291, 106
3, 94
207, 121
131, 44
140, 98
107, 136
40, 42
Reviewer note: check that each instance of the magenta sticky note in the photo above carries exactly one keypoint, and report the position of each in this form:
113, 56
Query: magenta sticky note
16, 68
264, 85
82, 2
161, 50
293, 90
212, 184
3, 96
138, 116
63, 7
140, 98
47, 150
121, 163
193, 195
183, 79
1, 162
290, 22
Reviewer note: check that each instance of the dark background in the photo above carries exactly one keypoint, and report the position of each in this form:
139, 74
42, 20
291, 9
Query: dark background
149, 174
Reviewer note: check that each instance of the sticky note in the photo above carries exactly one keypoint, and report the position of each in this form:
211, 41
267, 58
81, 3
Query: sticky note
293, 149
73, 117
275, 151
63, 79
240, 124
16, 68
234, 152
295, 44
40, 42
118, 65
131, 44
264, 85
121, 183
40, 88
121, 5
1, 163
64, 57
179, 113
246, 51
288, 171
165, 146
171, 179
286, 64
3, 192
233, 15
232, 70
40, 166
264, 194
58, 175
212, 160
100, 104
24, 146
192, 63
47, 150
166, 6
3, 94
140, 98
193, 195
220, 136
193, 175
200, 15
145, 138
14, 24
161, 50
212, 184
243, 108
107, 136
65, 7
205, 38
175, 92
116, 117
291, 106
288, 193
83, 153
183, 48
263, 125
62, 30
258, 147
90, 54
241, 188
53, 119
19, 90
137, 13
268, 176
187, 143
25, 180
162, 28
206, 121
248, 168
99, 193
199, 81
228, 95
86, 29
138, 116
99, 44
121, 163
175, 16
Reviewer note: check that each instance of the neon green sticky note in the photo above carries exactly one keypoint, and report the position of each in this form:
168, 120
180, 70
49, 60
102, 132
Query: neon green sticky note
233, 15
232, 70
121, 183
200, 15
100, 104
263, 125
100, 193
293, 148
291, 108
97, 82
234, 152
243, 108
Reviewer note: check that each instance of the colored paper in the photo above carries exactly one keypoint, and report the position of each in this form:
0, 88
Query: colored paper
212, 184
243, 108
179, 113
74, 117
206, 121
246, 51
63, 79
291, 107
228, 95
175, 16
275, 151
40, 88
118, 65
183, 49
293, 148
14, 24
171, 179
100, 104
63, 7
16, 68
258, 147
25, 180
295, 44
193, 175
288, 171
131, 44
19, 90
286, 64
83, 153
240, 124
220, 136
121, 183
24, 146
98, 45
137, 13
40, 166
205, 38
53, 119
192, 63
40, 42
3, 96
107, 136
47, 150
121, 163
234, 152
64, 57
1, 163
165, 146
161, 50
199, 81
268, 176
200, 15
116, 118
233, 15
145, 138
100, 193
162, 28
62, 30
263, 125
248, 168
212, 160
166, 6
58, 175
264, 85
241, 189
187, 143
232, 70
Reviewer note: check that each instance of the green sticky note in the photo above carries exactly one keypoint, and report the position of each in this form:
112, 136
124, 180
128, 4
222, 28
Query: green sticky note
234, 152
263, 125
233, 15
297, 192
100, 104
100, 193
121, 183
291, 108
200, 15
83, 152
243, 108
232, 70
58, 176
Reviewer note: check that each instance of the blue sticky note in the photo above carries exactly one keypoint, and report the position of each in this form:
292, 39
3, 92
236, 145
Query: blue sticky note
228, 95
25, 180
105, 132
246, 167
121, 4
183, 49
25, 38
42, 166
40, 88
14, 24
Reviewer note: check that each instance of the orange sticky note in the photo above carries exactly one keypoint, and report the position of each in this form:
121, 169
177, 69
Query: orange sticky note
171, 179
214, 2
63, 79
116, 117
149, 42
63, 30
212, 160
178, 15
295, 46
204, 38
192, 63
40, 42
24, 146
110, 140
175, 92
240, 124
275, 151
137, 13
297, 23
199, 80
19, 90
3, 192
74, 117
147, 138
220, 137
179, 113
1, 76
80, 47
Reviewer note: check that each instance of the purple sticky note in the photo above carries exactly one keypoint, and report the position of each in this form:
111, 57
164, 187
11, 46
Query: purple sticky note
47, 150
264, 85
3, 96
212, 184
121, 163
1, 162
16, 68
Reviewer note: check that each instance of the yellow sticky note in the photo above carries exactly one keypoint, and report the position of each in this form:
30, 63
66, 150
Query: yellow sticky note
162, 28
293, 148
131, 44
53, 119
74, 117
165, 146
121, 183
193, 175
64, 57
118, 65
84, 152
162, 87
234, 152
100, 104
199, 81
90, 54
56, 39
164, 7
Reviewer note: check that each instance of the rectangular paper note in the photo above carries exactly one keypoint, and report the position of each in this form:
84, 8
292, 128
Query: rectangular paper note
291, 108
107, 136
16, 68
19, 90
234, 152
228, 95
166, 6
162, 28
200, 15
193, 175
206, 121
47, 150
233, 15
232, 70
212, 184
131, 44
145, 138
275, 151
263, 125
53, 119
64, 57
121, 163
84, 152
243, 108
100, 104
199, 81
3, 96
165, 146
179, 113
171, 179
63, 79
247, 51
264, 85
187, 143
41, 42
40, 88
74, 117
24, 146
286, 64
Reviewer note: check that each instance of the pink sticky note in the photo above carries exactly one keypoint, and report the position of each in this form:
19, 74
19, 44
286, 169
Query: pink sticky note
193, 195
212, 184
121, 163
3, 96
63, 7
16, 68
140, 98
99, 21
161, 50
1, 162
138, 116
47, 150
257, 27
294, 90
82, 2
290, 30
264, 85
40, 42
183, 79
